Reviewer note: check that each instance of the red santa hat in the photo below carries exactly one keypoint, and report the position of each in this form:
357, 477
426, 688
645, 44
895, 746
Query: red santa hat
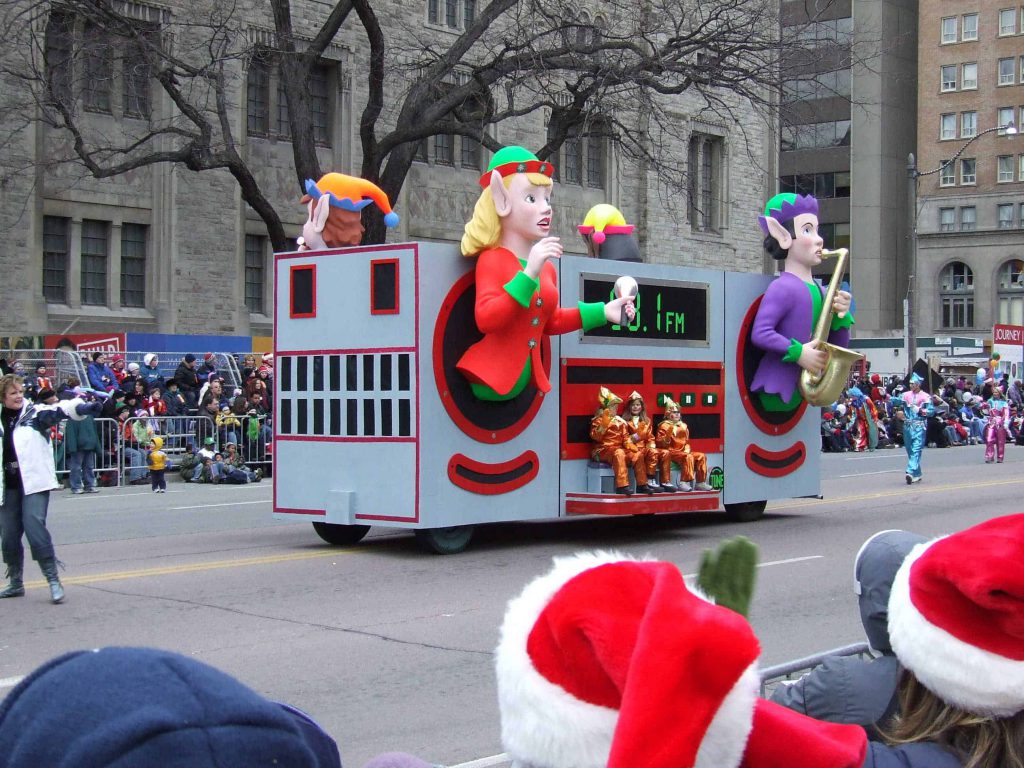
956, 617
613, 662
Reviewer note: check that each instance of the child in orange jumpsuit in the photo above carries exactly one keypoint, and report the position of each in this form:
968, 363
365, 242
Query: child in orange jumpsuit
673, 438
613, 444
641, 434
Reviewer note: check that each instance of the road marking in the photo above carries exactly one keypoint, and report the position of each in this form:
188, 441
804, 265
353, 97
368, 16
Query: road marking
879, 472
913, 490
230, 504
196, 567
485, 762
10, 682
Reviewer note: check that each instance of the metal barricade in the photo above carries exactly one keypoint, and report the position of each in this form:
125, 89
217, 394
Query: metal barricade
167, 364
258, 451
773, 676
107, 461
61, 364
181, 435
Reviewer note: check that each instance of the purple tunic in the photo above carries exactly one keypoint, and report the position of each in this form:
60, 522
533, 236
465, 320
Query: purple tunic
785, 313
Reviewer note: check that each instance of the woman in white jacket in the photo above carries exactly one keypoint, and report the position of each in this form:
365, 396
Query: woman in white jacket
28, 477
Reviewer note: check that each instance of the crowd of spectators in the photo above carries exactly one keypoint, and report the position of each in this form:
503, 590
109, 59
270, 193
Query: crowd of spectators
221, 435
961, 411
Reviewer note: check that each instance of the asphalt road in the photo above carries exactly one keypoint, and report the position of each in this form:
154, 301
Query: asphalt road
390, 648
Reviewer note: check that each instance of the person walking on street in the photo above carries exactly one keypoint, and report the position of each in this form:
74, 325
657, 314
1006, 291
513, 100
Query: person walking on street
917, 407
28, 478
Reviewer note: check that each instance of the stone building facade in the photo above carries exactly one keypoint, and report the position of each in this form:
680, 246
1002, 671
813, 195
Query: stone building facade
970, 213
163, 249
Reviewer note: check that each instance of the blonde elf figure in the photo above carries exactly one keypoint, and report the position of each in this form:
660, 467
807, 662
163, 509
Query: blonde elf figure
516, 282
641, 434
673, 438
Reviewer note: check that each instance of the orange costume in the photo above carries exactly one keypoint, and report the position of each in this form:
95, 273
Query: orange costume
673, 438
613, 444
641, 434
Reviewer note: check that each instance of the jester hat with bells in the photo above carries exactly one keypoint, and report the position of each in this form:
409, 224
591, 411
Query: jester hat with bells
610, 662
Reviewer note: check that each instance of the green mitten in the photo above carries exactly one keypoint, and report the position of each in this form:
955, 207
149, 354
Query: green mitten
727, 574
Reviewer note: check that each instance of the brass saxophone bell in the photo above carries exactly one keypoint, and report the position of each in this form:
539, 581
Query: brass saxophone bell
825, 388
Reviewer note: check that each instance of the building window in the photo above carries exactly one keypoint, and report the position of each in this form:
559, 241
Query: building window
58, 52
468, 12
1007, 75
947, 126
1022, 68
320, 104
968, 124
947, 176
821, 185
434, 11
970, 27
969, 80
956, 293
133, 265
581, 158
444, 153
704, 171
1004, 215
94, 262
968, 218
968, 170
255, 270
1008, 21
98, 65
835, 234
1004, 118
1011, 292
1004, 166
816, 135
948, 77
949, 29
469, 152
55, 259
258, 96
947, 219
1020, 168
137, 75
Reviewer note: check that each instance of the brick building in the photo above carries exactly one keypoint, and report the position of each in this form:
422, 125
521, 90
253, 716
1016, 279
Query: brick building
163, 249
971, 211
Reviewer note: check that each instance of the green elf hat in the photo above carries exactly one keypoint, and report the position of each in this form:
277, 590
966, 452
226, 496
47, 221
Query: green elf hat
509, 160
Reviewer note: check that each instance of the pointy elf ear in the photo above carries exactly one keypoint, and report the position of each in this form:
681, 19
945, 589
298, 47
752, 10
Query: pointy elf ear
779, 232
502, 198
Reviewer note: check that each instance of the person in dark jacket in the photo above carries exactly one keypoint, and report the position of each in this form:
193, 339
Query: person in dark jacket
101, 377
81, 443
188, 380
850, 689
148, 708
956, 623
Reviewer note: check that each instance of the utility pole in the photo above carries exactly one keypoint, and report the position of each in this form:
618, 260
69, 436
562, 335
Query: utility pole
910, 327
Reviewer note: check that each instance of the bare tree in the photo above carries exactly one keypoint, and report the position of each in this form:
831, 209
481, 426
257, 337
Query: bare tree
621, 71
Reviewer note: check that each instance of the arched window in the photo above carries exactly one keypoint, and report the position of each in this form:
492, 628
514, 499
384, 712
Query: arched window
1011, 292
956, 295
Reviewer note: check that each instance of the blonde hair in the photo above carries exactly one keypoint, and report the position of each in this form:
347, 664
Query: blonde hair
483, 231
7, 383
978, 741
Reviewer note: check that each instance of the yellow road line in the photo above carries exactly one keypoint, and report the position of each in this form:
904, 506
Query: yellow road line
911, 490
271, 559
195, 567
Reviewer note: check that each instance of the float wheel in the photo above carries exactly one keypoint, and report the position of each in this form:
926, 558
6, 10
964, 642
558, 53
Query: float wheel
745, 512
445, 541
340, 535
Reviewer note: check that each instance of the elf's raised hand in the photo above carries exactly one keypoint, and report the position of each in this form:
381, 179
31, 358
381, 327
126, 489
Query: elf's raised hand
727, 573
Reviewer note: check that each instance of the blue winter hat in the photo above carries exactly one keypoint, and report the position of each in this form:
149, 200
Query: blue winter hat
146, 708
915, 378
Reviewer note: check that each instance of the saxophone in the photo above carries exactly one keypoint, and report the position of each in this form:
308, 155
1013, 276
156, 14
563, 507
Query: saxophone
825, 388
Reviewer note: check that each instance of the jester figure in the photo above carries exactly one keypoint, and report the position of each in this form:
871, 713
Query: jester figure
334, 211
996, 425
865, 432
516, 282
641, 433
613, 444
673, 440
790, 308
916, 408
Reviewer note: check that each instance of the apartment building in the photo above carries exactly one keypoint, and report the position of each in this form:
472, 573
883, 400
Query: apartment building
161, 248
970, 212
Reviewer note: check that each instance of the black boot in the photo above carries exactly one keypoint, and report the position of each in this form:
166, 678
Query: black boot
49, 569
15, 587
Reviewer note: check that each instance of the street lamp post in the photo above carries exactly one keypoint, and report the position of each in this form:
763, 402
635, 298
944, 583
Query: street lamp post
910, 325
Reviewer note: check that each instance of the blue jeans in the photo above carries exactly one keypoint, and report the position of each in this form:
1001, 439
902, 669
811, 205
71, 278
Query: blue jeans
25, 515
81, 464
134, 464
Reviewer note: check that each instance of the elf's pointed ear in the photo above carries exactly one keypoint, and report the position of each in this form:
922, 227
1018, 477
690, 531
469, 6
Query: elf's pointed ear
779, 232
502, 199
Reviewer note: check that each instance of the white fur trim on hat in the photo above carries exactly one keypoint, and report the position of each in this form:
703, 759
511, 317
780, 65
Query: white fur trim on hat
542, 724
959, 673
726, 737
